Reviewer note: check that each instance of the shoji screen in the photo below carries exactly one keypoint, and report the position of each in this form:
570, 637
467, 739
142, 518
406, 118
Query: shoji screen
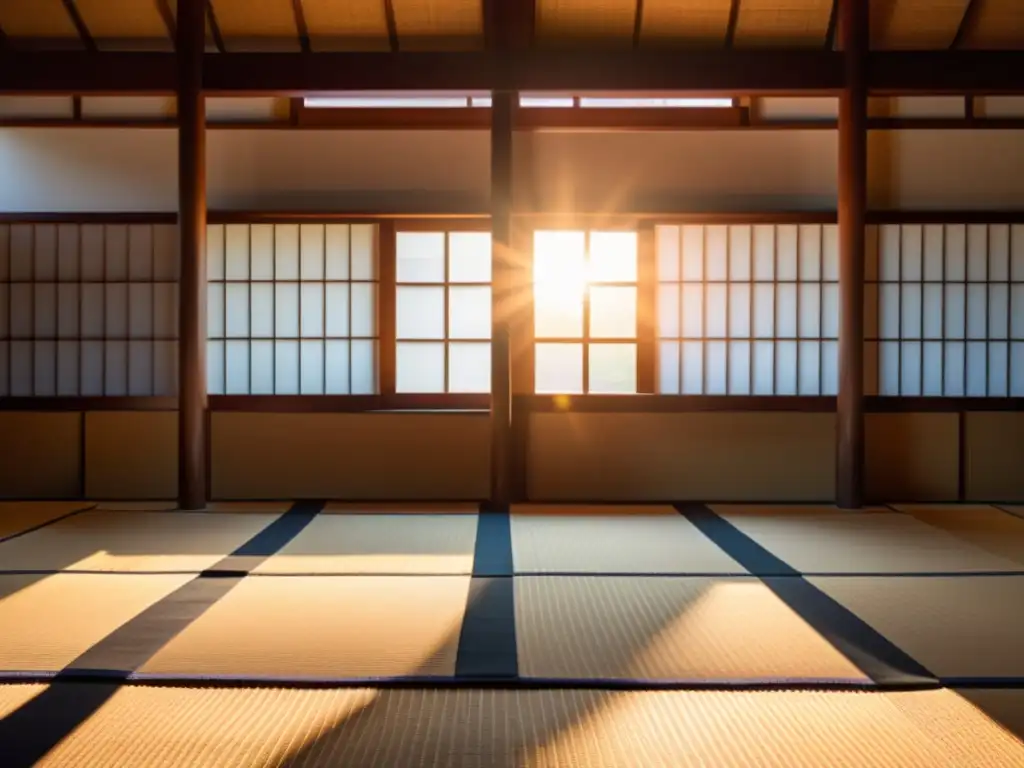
292, 309
88, 310
747, 309
945, 310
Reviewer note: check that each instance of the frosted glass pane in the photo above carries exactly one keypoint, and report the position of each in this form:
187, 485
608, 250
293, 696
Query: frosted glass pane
889, 238
311, 251
613, 369
786, 252
739, 368
261, 254
810, 310
693, 252
21, 259
261, 367
764, 252
67, 252
911, 372
236, 251
889, 368
933, 251
140, 252
67, 369
21, 368
693, 368
911, 251
998, 252
911, 309
237, 310
955, 310
693, 310
337, 253
419, 367
558, 368
165, 252
312, 303
954, 373
612, 312
469, 367
933, 311
364, 309
740, 237
557, 312
469, 257
311, 361
829, 368
932, 363
140, 368
337, 370
286, 251
785, 368
286, 310
5, 364
559, 261
165, 368
116, 310
667, 247
810, 367
45, 310
830, 311
364, 367
91, 252
668, 311
716, 252
237, 368
830, 252
1017, 311
92, 311
21, 310
956, 252
977, 311
977, 368
1017, 252
337, 309
764, 368
668, 368
362, 250
998, 311
420, 257
764, 310
45, 252
116, 368
785, 310
215, 251
140, 310
977, 252
420, 312
1017, 369
716, 315
889, 311
998, 369
469, 312
215, 310
613, 257
739, 310
45, 374
261, 303
92, 368
286, 367
810, 251
715, 362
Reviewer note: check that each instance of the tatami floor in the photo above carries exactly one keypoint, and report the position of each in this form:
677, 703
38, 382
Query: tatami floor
418, 635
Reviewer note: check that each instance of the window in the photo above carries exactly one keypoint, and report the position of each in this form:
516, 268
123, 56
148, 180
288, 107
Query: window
945, 310
442, 100
585, 312
748, 310
292, 309
443, 312
88, 310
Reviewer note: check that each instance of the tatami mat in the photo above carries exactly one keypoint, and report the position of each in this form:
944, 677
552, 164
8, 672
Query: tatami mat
422, 543
636, 540
955, 626
18, 516
137, 541
825, 540
48, 621
364, 728
664, 629
324, 627
403, 508
983, 526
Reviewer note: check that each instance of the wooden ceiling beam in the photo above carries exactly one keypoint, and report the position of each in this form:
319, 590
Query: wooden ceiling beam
80, 26
163, 7
301, 27
389, 19
211, 19
509, 24
638, 23
969, 21
830, 32
730, 30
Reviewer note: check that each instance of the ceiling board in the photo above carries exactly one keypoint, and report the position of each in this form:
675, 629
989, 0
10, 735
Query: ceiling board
915, 24
118, 25
346, 25
45, 20
685, 22
796, 23
439, 24
569, 22
267, 25
999, 25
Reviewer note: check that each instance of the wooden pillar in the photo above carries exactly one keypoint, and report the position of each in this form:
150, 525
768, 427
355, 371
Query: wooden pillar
853, 105
192, 471
502, 275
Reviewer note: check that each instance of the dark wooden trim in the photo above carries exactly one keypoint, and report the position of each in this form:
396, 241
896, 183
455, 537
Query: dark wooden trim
349, 403
647, 302
65, 404
80, 26
946, 217
164, 9
730, 30
968, 23
961, 452
211, 19
386, 307
638, 23
879, 404
76, 108
300, 26
406, 219
967, 123
671, 403
389, 19
87, 218
969, 111
830, 32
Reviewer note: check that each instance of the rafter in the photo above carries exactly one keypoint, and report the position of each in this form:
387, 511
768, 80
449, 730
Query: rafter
211, 19
638, 23
389, 17
730, 30
164, 9
80, 26
509, 24
968, 23
830, 32
300, 26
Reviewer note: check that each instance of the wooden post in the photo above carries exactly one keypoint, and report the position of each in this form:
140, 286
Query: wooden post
192, 471
853, 105
502, 276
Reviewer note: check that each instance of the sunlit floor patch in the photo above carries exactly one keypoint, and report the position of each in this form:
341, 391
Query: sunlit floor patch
981, 525
324, 627
1005, 706
402, 508
18, 516
667, 629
